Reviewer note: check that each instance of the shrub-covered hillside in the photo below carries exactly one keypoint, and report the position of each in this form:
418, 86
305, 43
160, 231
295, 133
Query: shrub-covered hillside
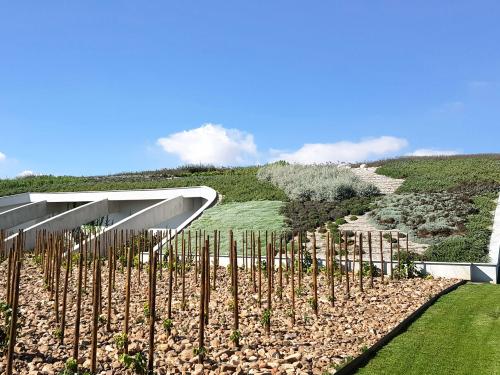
447, 201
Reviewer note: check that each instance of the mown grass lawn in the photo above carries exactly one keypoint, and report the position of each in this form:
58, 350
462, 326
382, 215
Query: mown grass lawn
255, 215
459, 334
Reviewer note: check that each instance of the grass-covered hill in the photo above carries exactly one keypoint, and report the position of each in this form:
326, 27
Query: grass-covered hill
446, 202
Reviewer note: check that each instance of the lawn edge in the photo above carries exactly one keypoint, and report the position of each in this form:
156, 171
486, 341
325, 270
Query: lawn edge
365, 357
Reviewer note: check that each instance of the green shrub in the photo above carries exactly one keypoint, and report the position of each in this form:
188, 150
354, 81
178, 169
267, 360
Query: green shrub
137, 363
70, 367
473, 245
120, 339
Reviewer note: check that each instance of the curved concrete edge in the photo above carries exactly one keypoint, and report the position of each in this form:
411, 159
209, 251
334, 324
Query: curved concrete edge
211, 199
364, 358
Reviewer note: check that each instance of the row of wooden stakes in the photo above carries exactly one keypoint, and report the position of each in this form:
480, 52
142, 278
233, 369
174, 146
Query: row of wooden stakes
130, 248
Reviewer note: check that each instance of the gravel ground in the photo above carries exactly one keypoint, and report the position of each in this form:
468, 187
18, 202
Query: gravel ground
311, 346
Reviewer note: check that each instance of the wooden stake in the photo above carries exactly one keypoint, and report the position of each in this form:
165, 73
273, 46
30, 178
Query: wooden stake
370, 258
292, 284
391, 255
76, 339
280, 269
361, 262
95, 317
201, 318
110, 287
170, 284
13, 319
332, 271
315, 276
260, 269
65, 294
152, 312
269, 299
381, 257
127, 298
235, 295
346, 249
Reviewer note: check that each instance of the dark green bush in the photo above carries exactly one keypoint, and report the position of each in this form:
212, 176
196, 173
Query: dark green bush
307, 216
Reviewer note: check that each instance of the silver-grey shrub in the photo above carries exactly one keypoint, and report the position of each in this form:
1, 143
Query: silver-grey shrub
429, 217
319, 182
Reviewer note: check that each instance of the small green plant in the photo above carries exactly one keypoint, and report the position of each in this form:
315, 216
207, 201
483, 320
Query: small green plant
266, 317
75, 257
353, 218
313, 303
200, 351
120, 339
58, 333
136, 261
299, 291
102, 319
122, 259
168, 324
145, 310
279, 291
137, 363
366, 270
340, 221
70, 367
37, 259
306, 318
235, 336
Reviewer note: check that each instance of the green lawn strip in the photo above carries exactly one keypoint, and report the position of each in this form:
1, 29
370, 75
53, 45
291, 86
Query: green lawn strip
238, 185
257, 215
459, 334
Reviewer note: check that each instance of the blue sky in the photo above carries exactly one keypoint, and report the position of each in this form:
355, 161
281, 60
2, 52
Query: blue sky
91, 87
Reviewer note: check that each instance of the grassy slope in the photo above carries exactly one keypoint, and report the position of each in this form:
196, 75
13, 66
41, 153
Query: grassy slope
262, 215
438, 174
236, 185
460, 334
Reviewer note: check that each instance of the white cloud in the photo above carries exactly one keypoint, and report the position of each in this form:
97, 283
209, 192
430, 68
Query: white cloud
432, 152
211, 144
344, 151
2, 156
26, 173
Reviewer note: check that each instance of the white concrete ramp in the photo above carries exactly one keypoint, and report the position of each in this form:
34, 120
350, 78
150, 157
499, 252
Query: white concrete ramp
128, 209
